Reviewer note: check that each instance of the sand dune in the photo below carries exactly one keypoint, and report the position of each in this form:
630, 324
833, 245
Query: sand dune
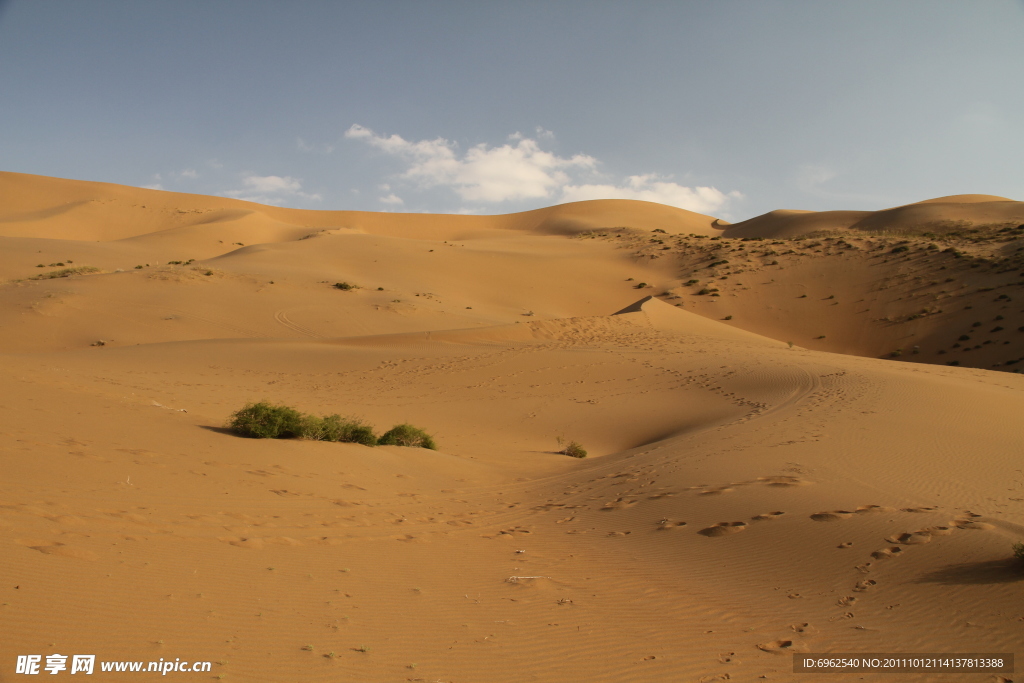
750, 491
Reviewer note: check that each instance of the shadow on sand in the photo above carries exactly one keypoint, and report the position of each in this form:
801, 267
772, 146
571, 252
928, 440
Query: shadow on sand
1008, 570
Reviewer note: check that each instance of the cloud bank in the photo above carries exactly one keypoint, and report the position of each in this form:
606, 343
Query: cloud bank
270, 189
521, 169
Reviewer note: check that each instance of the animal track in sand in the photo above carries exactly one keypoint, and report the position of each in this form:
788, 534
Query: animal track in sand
921, 509
781, 647
803, 628
847, 601
723, 529
765, 516
667, 524
781, 481
887, 553
620, 504
56, 548
845, 544
911, 538
831, 515
868, 509
864, 585
716, 491
971, 524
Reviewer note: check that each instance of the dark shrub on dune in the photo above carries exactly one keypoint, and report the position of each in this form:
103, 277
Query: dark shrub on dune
265, 421
407, 435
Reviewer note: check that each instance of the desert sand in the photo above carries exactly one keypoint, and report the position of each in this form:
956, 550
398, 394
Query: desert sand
804, 435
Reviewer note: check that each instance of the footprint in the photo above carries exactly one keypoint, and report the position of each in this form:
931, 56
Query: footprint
716, 491
914, 538
727, 657
723, 529
921, 509
782, 647
768, 515
887, 553
847, 601
619, 533
868, 509
781, 481
802, 628
938, 530
619, 504
666, 525
863, 568
845, 615
970, 524
864, 585
831, 516
845, 544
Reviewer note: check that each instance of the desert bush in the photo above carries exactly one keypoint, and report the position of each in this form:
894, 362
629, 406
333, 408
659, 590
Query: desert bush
574, 450
337, 428
1018, 551
407, 435
265, 421
65, 272
344, 286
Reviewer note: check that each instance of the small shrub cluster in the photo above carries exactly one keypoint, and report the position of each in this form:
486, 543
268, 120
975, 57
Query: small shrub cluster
266, 421
1018, 551
574, 450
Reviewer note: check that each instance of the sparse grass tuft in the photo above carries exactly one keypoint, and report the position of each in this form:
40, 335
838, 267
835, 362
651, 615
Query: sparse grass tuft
407, 435
345, 286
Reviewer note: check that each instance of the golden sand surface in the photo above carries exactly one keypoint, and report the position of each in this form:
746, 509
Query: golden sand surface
792, 446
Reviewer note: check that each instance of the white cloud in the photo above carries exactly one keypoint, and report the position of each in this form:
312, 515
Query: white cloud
650, 188
521, 169
154, 186
304, 146
270, 189
391, 199
483, 174
189, 173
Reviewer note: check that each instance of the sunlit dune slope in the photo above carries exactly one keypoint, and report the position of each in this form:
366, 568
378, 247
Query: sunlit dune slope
53, 208
744, 500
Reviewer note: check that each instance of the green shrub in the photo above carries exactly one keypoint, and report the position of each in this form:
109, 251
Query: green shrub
345, 286
265, 421
574, 450
407, 435
336, 428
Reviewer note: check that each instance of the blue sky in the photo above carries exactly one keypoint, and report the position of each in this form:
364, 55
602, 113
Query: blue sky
732, 107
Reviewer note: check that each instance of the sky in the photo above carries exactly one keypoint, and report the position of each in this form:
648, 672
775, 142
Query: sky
731, 108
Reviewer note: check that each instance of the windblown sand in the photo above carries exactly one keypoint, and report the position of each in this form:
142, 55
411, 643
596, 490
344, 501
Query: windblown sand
789, 466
